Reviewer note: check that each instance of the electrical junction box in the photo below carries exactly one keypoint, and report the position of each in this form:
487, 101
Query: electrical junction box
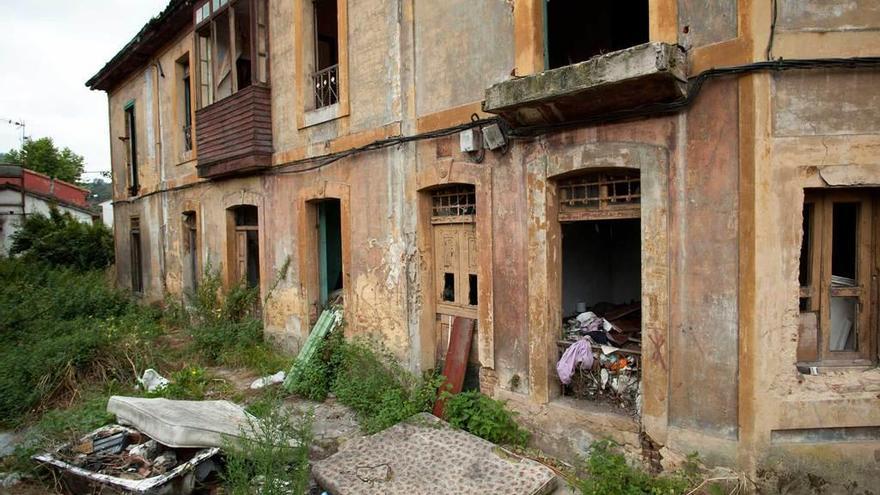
493, 137
469, 140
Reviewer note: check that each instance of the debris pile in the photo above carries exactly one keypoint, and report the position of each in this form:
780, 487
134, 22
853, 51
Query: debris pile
120, 459
601, 355
124, 453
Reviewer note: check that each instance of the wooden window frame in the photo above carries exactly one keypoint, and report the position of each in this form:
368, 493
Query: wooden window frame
608, 206
136, 255
819, 290
130, 140
258, 27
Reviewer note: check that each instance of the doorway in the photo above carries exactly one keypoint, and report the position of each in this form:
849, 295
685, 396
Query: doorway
329, 238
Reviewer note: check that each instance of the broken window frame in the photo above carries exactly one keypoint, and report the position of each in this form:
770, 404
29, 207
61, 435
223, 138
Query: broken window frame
212, 17
595, 196
454, 204
130, 140
136, 256
191, 247
185, 101
817, 294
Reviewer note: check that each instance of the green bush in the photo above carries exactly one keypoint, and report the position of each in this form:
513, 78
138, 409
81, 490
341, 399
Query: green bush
61, 240
374, 384
60, 327
610, 474
319, 373
485, 417
275, 459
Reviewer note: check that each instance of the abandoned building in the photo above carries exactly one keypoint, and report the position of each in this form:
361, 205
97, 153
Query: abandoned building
689, 192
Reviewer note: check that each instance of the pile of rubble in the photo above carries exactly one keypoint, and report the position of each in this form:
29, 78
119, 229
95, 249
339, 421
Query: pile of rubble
601, 356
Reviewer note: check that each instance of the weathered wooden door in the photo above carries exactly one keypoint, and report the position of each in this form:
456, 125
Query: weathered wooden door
455, 281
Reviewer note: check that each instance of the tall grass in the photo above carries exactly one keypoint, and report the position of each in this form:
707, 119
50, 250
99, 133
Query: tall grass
61, 328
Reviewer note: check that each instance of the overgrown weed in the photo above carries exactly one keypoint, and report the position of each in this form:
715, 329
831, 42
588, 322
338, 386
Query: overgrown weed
485, 417
272, 458
609, 473
60, 329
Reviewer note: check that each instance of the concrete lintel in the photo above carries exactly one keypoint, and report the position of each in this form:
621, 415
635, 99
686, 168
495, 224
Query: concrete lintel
647, 73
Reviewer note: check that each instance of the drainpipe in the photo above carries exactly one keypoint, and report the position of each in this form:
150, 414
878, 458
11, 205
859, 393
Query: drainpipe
160, 161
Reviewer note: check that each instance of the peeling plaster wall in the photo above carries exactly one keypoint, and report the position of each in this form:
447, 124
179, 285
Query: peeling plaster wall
820, 120
461, 48
707, 22
822, 15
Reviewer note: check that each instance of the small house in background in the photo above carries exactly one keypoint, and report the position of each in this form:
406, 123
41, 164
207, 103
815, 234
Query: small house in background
25, 192
107, 213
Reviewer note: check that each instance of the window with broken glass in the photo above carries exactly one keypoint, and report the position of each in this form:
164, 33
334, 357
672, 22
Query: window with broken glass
600, 195
600, 267
838, 275
232, 45
453, 211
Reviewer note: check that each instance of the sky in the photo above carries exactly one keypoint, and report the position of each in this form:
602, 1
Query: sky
48, 50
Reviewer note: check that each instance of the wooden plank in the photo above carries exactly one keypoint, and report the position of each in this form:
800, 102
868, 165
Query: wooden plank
456, 359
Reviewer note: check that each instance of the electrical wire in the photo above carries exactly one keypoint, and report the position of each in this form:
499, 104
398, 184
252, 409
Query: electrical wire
694, 86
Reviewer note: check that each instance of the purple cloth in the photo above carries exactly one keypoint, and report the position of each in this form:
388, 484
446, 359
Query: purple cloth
579, 353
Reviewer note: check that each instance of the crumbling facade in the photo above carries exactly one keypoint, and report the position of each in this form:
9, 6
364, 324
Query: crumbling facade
496, 160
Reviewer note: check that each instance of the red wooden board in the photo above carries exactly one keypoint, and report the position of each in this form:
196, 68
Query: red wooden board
456, 358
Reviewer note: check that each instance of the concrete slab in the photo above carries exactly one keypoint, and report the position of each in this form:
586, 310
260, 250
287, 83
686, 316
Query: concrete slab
425, 455
182, 423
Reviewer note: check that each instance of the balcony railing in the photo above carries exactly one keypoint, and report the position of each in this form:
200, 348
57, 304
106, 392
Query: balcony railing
326, 86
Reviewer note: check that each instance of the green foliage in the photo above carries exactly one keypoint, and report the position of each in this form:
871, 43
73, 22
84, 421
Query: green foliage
41, 155
610, 474
189, 383
60, 328
100, 190
374, 384
485, 417
58, 426
225, 327
61, 240
274, 456
318, 374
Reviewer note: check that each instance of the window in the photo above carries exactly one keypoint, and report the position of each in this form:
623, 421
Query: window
137, 274
130, 140
185, 101
232, 45
325, 78
246, 245
190, 251
600, 195
576, 30
837, 269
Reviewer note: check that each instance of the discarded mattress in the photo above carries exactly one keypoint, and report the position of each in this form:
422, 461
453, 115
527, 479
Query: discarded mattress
183, 423
112, 459
426, 455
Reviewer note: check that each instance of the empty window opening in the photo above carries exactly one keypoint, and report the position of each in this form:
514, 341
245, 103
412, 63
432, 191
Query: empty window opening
190, 251
601, 292
577, 30
836, 262
330, 249
448, 294
137, 273
246, 249
185, 101
130, 140
232, 46
325, 78
472, 290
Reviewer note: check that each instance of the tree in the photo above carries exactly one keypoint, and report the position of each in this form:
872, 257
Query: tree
41, 155
62, 240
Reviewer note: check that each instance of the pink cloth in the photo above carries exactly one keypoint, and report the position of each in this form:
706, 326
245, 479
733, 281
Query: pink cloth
578, 354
